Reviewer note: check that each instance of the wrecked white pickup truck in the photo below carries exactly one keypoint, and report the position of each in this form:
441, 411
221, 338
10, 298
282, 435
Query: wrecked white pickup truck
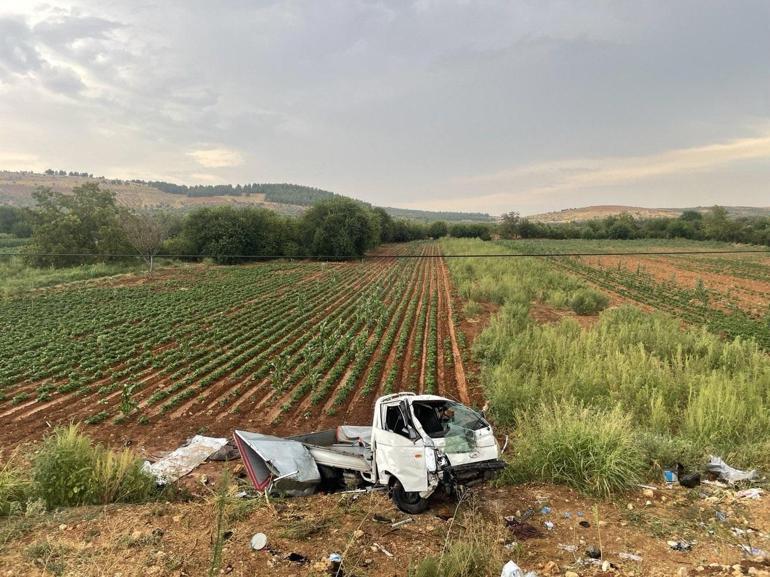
416, 445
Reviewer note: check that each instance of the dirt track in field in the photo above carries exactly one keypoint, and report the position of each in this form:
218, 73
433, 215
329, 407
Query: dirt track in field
230, 401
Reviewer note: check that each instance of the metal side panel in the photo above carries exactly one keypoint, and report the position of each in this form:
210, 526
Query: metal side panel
286, 463
342, 458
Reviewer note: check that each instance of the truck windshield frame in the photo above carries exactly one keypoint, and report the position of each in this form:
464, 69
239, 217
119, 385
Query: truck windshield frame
441, 419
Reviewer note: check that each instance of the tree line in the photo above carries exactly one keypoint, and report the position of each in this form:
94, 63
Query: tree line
715, 224
62, 228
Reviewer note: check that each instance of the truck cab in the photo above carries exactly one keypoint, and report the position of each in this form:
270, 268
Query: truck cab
422, 442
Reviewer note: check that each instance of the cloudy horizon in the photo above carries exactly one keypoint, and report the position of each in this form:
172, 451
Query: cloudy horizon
443, 105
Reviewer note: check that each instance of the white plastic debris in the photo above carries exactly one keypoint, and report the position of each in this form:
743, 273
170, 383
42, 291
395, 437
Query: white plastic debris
727, 473
753, 551
754, 493
258, 541
510, 569
184, 459
629, 556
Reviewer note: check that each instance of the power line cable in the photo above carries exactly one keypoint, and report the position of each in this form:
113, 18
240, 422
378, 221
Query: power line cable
386, 256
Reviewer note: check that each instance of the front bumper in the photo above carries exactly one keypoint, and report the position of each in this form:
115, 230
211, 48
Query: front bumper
481, 471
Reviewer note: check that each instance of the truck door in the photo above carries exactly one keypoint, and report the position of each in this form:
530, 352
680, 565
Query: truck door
399, 448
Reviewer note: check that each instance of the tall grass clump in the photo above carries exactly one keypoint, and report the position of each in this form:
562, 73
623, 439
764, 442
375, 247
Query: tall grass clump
69, 469
15, 485
475, 552
588, 302
589, 449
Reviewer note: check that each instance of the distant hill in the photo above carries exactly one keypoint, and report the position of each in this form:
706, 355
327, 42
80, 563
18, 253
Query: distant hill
16, 189
737, 211
603, 211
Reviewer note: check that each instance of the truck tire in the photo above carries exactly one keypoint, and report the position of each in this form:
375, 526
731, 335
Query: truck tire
408, 501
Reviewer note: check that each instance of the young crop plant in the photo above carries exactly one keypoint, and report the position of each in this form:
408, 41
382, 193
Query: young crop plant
430, 362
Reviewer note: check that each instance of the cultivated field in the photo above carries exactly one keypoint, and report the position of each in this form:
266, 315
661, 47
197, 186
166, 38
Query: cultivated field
729, 293
278, 346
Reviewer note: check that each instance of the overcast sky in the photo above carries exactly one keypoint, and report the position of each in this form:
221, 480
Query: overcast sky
460, 105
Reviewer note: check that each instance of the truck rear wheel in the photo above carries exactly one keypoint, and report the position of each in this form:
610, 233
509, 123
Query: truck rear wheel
408, 501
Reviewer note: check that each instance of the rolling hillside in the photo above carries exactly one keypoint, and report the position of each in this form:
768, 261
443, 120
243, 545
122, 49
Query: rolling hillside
16, 189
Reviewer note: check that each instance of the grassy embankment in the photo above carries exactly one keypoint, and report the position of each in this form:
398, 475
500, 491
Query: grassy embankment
602, 407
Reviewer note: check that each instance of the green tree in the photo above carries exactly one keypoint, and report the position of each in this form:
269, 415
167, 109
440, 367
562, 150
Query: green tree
716, 224
338, 228
438, 229
66, 226
228, 234
387, 226
509, 225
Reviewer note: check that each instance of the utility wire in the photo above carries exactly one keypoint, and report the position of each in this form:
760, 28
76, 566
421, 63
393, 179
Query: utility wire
386, 256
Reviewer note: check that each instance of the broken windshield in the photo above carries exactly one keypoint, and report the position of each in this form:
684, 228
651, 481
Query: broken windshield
451, 421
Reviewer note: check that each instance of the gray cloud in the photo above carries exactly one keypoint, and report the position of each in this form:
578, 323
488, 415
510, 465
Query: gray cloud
423, 103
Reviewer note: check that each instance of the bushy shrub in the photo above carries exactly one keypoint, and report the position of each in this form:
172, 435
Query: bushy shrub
588, 302
70, 470
592, 450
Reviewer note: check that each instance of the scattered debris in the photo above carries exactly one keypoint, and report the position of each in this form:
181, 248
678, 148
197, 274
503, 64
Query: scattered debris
181, 461
754, 551
335, 561
593, 552
549, 525
403, 522
258, 541
680, 545
629, 556
297, 558
725, 472
382, 519
689, 480
721, 516
567, 548
585, 524
669, 477
521, 530
754, 493
510, 569
229, 452
383, 549
545, 511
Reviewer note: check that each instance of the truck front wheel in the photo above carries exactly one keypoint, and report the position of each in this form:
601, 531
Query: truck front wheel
408, 501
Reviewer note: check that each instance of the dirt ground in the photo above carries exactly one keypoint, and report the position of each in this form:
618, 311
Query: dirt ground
175, 538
